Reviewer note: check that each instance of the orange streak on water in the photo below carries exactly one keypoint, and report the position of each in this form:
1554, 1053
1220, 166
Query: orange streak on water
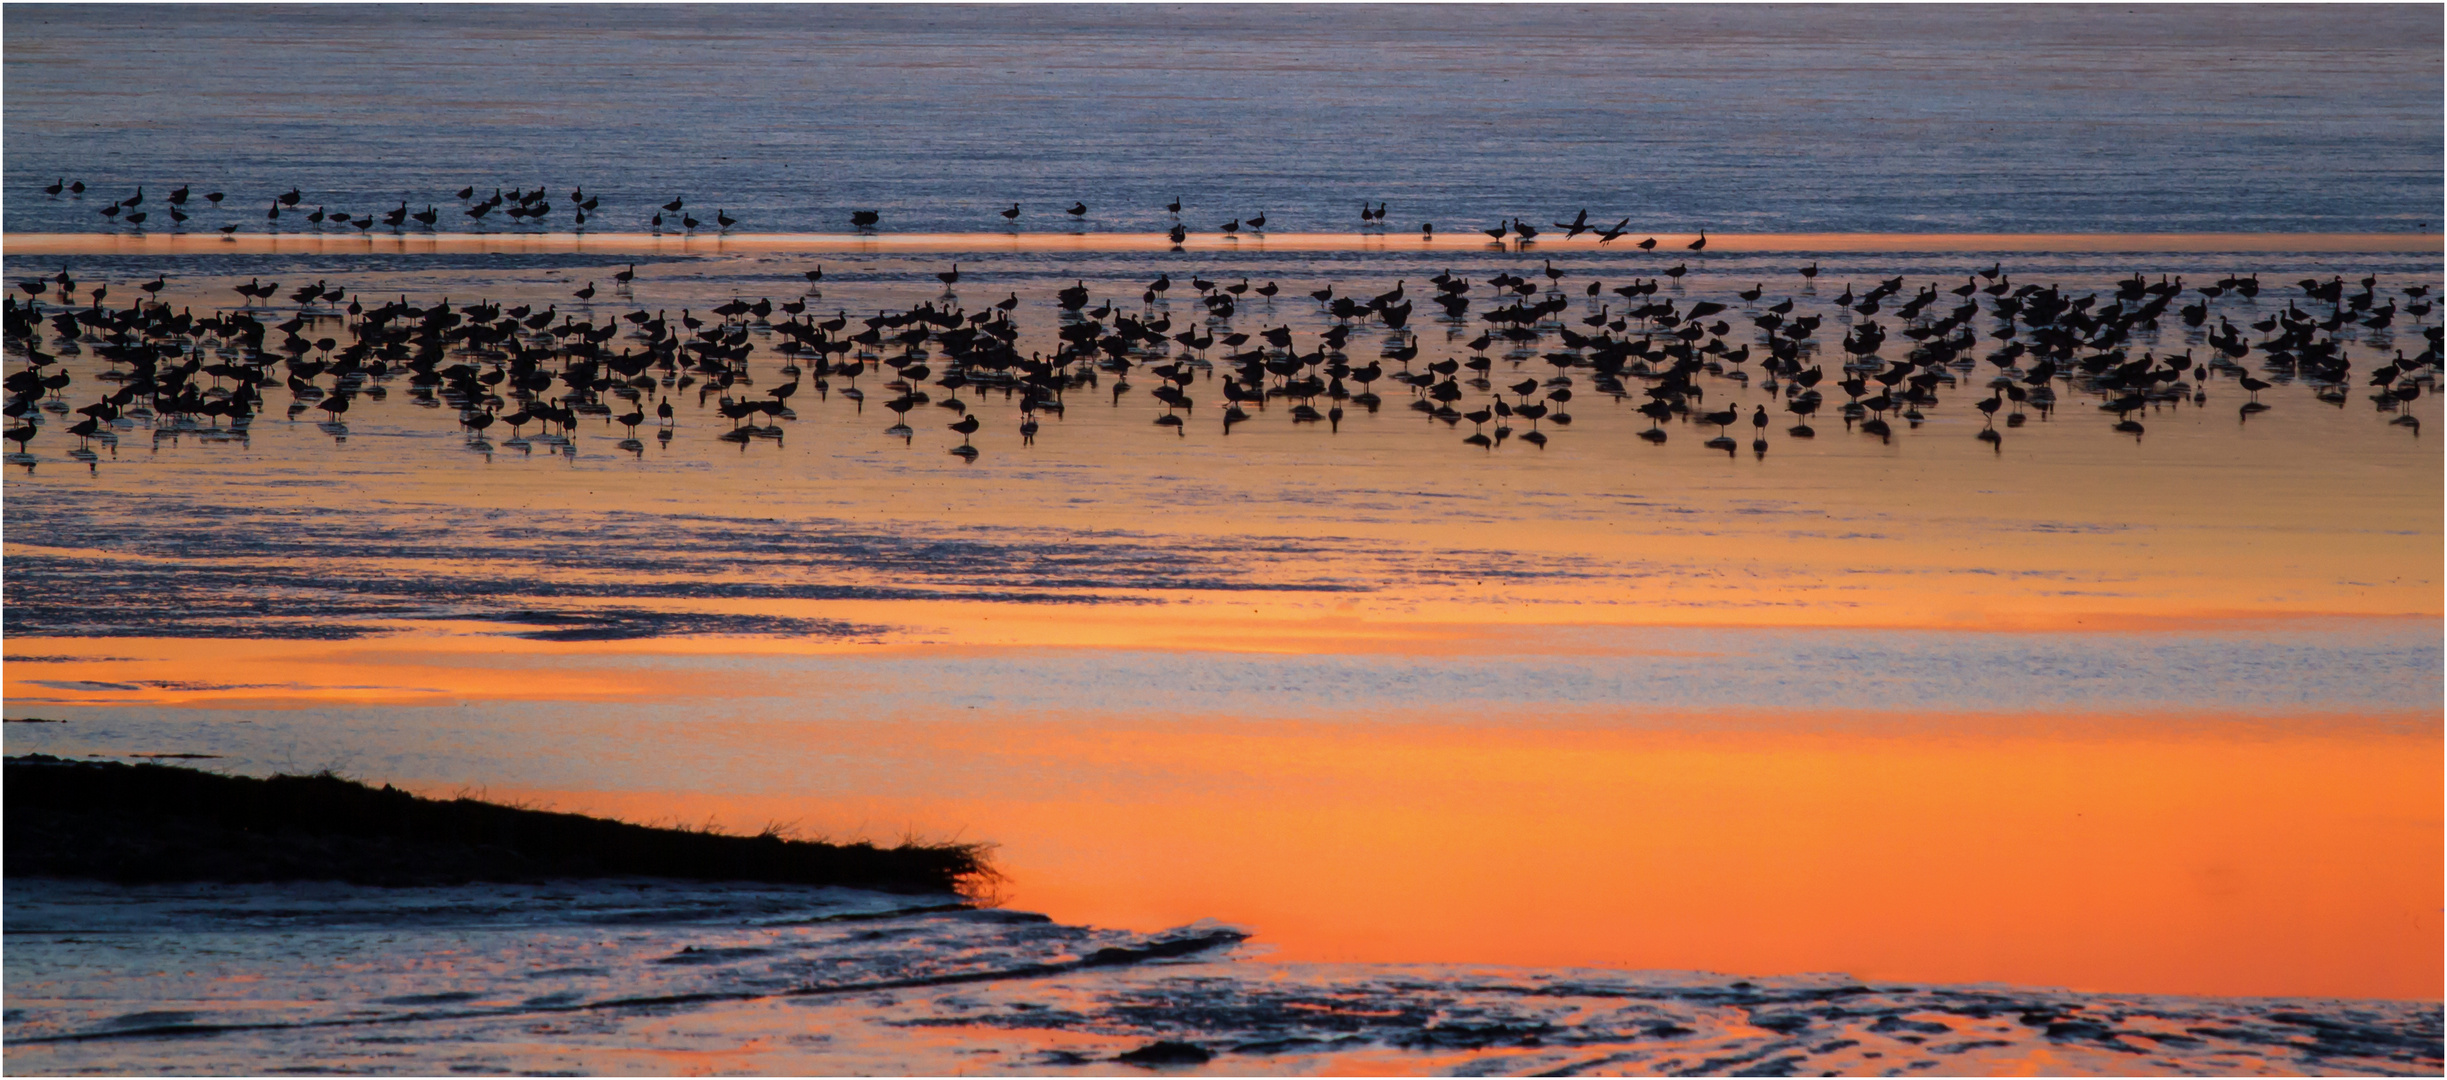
1669, 245
2179, 855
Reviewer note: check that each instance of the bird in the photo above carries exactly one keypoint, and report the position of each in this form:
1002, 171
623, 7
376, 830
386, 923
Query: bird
1012, 214
724, 220
587, 293
966, 426
865, 219
1077, 209
675, 204
1702, 242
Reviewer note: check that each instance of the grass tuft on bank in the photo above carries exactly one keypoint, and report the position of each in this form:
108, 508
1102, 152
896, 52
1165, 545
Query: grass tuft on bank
161, 823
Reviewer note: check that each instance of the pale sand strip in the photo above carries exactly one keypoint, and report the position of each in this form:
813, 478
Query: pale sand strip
1669, 246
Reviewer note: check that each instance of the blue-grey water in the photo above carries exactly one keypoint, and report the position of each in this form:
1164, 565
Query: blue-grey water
401, 599
1738, 118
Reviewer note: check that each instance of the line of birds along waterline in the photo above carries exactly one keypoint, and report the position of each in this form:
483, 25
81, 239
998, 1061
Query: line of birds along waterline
535, 209
1541, 344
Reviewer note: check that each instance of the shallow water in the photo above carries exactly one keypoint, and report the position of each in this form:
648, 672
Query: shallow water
1276, 674
618, 978
1738, 119
1478, 743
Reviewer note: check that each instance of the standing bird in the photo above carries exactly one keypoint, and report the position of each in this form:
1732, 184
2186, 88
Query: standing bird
1012, 214
966, 426
1078, 209
1702, 242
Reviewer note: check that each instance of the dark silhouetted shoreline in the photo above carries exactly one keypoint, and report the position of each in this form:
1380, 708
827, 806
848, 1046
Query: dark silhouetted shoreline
157, 823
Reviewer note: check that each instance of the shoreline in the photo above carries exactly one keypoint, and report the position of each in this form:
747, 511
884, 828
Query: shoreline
1669, 245
151, 823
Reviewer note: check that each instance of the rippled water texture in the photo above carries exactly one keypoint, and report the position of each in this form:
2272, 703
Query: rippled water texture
1738, 118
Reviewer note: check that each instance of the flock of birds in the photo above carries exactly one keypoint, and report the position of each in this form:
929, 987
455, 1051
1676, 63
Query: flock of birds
2015, 348
535, 208
516, 206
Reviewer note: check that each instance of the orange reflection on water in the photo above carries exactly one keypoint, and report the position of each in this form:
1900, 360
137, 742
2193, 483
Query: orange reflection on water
427, 669
2147, 854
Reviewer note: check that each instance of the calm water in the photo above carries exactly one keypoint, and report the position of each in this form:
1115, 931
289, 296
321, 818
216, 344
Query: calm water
1486, 748
1740, 119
